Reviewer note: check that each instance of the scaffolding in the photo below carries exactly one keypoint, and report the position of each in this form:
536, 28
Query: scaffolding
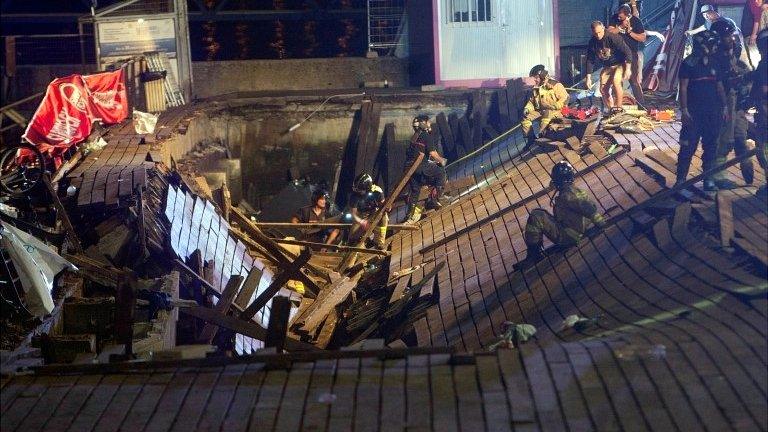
386, 25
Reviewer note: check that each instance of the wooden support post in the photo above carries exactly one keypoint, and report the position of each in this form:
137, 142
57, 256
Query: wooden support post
374, 221
222, 307
125, 306
226, 201
142, 228
278, 323
61, 213
286, 274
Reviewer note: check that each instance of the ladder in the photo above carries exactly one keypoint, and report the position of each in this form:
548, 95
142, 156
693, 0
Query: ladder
158, 62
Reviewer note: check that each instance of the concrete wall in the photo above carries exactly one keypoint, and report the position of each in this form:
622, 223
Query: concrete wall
222, 77
217, 78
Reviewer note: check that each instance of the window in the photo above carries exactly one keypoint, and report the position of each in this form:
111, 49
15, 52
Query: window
461, 11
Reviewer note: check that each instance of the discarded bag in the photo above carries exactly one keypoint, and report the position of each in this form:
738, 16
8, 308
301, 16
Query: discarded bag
37, 265
144, 123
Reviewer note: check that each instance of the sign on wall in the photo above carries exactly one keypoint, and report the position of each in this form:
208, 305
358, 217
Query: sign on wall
134, 37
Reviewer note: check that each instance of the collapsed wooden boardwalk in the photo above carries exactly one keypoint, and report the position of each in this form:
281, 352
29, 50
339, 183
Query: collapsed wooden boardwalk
676, 338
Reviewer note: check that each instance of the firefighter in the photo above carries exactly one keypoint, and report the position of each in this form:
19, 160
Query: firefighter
431, 171
573, 213
546, 102
737, 82
702, 105
760, 100
318, 210
366, 199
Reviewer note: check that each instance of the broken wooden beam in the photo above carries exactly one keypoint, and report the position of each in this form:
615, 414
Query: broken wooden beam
94, 270
725, 219
285, 274
61, 213
277, 330
222, 306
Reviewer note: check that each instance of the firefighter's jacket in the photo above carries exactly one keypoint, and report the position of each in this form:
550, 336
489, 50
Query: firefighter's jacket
550, 96
574, 210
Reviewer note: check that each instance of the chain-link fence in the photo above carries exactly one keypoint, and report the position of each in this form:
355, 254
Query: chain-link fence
386, 23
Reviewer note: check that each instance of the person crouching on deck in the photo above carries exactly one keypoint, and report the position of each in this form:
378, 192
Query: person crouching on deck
546, 102
573, 212
366, 199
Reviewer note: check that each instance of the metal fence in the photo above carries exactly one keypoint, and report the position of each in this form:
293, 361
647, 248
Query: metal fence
49, 49
386, 21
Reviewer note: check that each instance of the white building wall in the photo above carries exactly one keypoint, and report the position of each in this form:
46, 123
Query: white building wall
520, 35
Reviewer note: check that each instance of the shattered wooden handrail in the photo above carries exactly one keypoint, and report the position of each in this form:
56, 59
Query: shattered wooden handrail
522, 202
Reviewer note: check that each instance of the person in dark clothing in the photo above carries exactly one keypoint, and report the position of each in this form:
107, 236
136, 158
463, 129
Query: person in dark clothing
737, 82
431, 171
317, 211
760, 100
702, 104
632, 31
616, 58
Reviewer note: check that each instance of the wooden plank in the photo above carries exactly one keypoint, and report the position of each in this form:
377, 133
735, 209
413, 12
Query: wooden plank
337, 293
597, 149
503, 110
61, 213
466, 134
249, 287
278, 323
449, 143
287, 273
651, 165
222, 306
725, 218
453, 122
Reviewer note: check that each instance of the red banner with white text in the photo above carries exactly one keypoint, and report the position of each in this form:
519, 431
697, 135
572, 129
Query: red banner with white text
109, 100
63, 117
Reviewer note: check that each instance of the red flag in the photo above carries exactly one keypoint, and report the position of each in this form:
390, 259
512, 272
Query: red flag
108, 96
63, 118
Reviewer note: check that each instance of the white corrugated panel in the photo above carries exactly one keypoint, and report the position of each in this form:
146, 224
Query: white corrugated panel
519, 35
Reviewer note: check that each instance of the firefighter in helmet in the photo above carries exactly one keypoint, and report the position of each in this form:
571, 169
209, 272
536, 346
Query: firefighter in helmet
737, 82
546, 102
703, 105
573, 213
366, 199
431, 171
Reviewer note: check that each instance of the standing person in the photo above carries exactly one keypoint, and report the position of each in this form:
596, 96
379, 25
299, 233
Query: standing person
736, 78
711, 16
366, 199
431, 172
756, 11
317, 211
760, 99
616, 58
546, 102
572, 213
702, 104
632, 31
